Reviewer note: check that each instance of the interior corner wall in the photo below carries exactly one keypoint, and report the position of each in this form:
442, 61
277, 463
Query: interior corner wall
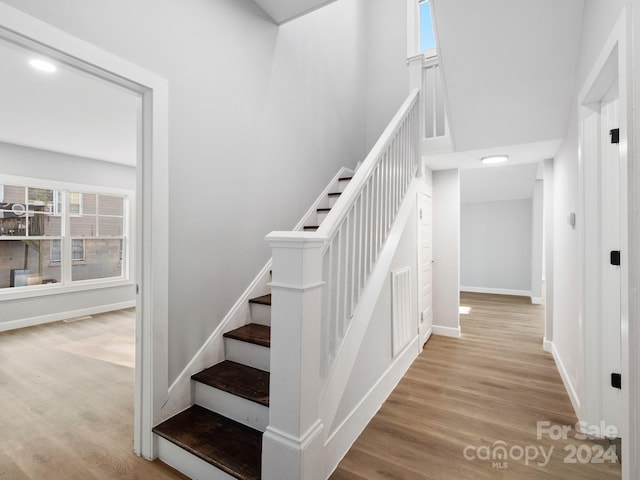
537, 239
496, 246
446, 252
261, 118
387, 84
599, 19
34, 163
548, 217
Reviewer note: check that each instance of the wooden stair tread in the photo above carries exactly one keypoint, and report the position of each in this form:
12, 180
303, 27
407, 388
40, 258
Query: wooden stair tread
237, 379
263, 300
311, 228
323, 209
345, 178
228, 445
252, 333
335, 194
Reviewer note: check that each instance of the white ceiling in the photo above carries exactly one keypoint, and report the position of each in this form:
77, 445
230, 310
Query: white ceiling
284, 10
509, 68
66, 111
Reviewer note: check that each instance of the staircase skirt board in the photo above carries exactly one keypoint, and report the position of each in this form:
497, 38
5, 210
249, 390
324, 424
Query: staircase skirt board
227, 445
241, 380
249, 354
236, 408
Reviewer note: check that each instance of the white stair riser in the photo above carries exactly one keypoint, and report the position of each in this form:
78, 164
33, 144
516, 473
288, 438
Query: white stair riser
246, 353
333, 200
231, 406
321, 216
260, 314
183, 461
342, 184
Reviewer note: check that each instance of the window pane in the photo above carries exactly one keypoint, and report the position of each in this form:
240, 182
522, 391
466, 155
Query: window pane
13, 194
110, 226
102, 260
40, 197
77, 250
75, 203
84, 226
27, 262
427, 37
109, 205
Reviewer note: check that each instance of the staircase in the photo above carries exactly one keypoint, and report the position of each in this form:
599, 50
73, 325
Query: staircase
220, 436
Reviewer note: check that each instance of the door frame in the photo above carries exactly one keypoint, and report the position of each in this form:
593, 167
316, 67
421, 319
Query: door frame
423, 333
152, 234
612, 65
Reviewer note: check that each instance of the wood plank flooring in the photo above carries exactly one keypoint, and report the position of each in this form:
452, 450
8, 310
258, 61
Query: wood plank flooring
474, 394
66, 402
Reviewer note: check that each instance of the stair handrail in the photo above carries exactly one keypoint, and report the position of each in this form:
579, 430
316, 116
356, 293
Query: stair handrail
356, 228
339, 211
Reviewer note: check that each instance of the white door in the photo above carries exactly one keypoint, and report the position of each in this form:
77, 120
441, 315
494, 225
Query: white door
610, 274
425, 266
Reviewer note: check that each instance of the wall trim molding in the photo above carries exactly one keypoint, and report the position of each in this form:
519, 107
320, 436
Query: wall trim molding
346, 433
566, 380
497, 291
536, 300
56, 317
547, 345
447, 331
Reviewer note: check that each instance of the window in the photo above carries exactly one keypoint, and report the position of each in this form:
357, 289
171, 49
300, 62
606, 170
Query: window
54, 235
427, 36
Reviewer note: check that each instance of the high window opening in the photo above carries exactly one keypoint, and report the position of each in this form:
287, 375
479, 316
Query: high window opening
427, 36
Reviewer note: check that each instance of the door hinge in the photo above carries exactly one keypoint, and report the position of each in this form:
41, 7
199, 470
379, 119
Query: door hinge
615, 135
616, 380
422, 316
137, 289
614, 257
420, 214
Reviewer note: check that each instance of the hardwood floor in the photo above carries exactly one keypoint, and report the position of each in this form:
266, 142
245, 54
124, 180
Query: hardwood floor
463, 395
66, 402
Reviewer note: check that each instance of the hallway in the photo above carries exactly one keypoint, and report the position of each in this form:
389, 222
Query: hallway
464, 398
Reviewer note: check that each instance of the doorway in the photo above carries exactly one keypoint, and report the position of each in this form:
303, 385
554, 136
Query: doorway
151, 264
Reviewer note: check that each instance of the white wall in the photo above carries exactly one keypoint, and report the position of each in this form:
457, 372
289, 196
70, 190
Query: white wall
548, 251
495, 246
537, 205
599, 18
446, 252
387, 71
261, 118
40, 164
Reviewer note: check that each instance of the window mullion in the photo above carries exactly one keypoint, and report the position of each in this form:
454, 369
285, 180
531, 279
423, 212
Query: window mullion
66, 262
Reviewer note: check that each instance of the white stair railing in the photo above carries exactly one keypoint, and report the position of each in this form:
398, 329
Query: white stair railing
357, 225
435, 117
318, 278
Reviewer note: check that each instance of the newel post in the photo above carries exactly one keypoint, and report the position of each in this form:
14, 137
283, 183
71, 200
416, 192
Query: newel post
293, 442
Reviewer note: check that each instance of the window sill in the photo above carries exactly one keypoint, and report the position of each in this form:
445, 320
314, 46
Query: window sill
18, 293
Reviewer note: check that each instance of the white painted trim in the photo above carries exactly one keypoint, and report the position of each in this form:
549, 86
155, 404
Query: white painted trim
242, 410
342, 438
547, 345
187, 463
566, 380
56, 317
497, 291
454, 332
152, 252
536, 300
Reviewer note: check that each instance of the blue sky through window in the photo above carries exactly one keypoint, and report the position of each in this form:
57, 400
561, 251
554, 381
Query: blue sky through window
427, 38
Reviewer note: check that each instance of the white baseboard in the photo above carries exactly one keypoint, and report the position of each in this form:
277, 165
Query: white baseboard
56, 317
497, 291
547, 345
447, 331
536, 300
566, 380
342, 438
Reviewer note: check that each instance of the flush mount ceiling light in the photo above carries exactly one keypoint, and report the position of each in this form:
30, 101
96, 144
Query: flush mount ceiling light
493, 159
42, 65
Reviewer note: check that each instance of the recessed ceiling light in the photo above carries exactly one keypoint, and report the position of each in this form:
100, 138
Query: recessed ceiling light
492, 159
42, 65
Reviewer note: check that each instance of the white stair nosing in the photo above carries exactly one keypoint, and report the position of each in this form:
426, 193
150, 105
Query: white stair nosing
246, 353
236, 408
186, 462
